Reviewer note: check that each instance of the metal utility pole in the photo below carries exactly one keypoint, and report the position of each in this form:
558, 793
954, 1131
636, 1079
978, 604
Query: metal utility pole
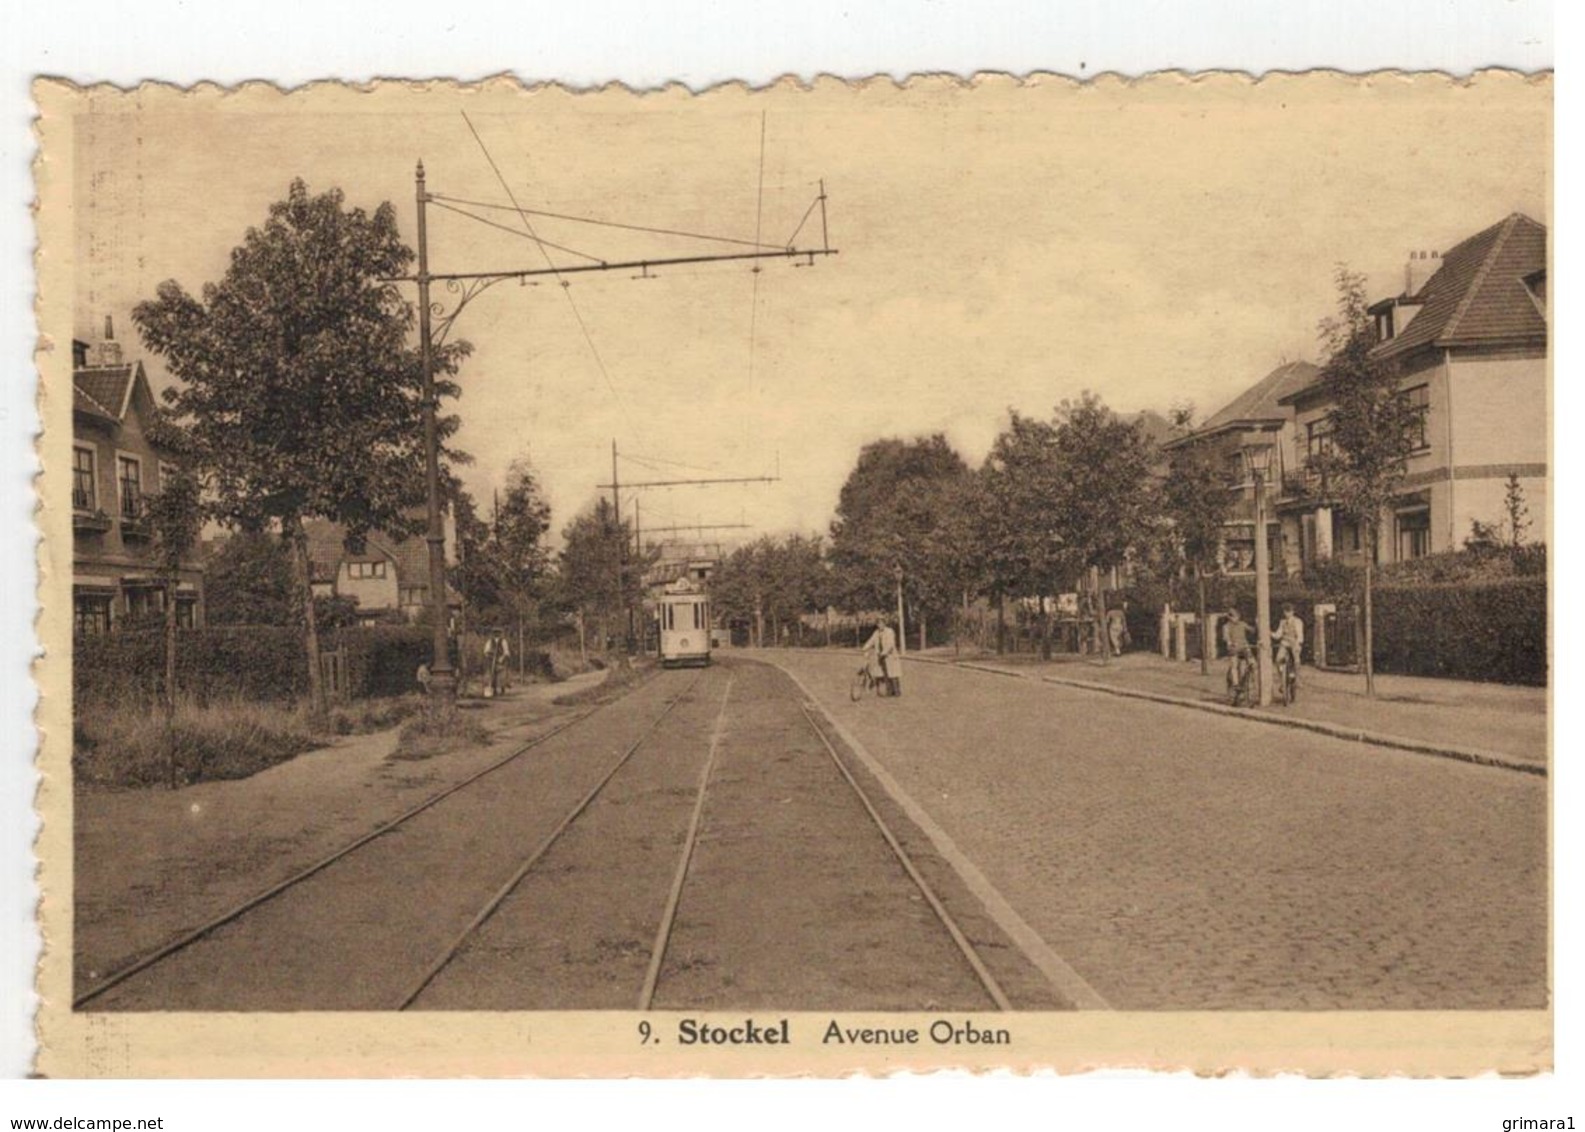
468, 285
621, 554
442, 684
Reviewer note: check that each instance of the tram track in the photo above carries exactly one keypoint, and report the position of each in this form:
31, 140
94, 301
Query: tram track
240, 909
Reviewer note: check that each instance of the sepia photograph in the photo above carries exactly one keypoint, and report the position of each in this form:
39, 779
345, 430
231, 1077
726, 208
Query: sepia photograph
998, 573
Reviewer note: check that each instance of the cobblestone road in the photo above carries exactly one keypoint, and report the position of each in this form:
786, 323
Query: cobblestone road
1182, 861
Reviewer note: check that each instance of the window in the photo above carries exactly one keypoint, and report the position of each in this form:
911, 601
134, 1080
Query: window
130, 477
1414, 533
90, 614
186, 612
366, 569
84, 497
145, 601
1384, 325
1419, 401
1318, 439
413, 595
167, 474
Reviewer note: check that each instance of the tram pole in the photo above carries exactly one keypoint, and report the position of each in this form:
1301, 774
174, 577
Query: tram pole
442, 683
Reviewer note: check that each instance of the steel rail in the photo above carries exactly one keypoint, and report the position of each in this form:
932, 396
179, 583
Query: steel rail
444, 959
187, 939
657, 954
987, 980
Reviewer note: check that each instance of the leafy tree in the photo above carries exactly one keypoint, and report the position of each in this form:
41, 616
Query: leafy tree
890, 513
1026, 549
590, 565
1105, 502
1372, 431
249, 581
297, 383
1197, 501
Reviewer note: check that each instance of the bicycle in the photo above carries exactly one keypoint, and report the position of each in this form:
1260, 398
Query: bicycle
864, 683
1241, 688
1287, 677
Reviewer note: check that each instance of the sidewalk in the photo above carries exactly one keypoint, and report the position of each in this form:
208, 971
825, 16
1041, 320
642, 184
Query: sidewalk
1493, 723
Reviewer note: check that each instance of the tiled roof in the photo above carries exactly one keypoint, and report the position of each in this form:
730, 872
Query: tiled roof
103, 390
1261, 402
327, 550
1478, 296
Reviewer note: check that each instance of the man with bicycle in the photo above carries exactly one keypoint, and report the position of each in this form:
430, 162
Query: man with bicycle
1235, 636
881, 653
1288, 636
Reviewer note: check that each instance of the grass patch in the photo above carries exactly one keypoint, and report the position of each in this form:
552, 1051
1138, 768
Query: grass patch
429, 734
365, 716
118, 745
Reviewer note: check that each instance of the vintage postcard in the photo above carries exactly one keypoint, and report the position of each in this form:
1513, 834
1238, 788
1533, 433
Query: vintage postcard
840, 578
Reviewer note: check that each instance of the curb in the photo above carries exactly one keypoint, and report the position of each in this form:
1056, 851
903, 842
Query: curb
1333, 730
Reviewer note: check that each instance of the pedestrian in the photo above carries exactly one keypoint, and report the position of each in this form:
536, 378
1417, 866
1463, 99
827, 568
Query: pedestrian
1116, 629
423, 677
496, 654
882, 646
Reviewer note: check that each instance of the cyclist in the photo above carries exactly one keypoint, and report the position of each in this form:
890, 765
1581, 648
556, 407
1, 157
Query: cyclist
881, 653
1235, 635
1288, 636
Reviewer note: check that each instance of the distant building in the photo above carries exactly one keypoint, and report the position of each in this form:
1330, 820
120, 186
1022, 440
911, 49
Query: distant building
1470, 333
116, 576
388, 577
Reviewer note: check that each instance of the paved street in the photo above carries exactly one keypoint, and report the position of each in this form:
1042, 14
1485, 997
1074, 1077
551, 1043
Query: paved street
1180, 860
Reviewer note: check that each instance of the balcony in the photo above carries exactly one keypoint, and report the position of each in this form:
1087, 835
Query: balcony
135, 525
90, 521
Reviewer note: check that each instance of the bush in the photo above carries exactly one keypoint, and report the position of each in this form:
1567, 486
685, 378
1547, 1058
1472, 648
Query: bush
1481, 631
212, 665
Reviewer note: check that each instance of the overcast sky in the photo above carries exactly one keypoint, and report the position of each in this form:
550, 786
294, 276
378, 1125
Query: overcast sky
1000, 248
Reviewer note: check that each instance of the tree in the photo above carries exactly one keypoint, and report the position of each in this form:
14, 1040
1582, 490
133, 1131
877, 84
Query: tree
176, 516
249, 581
504, 565
1372, 431
590, 564
1026, 550
1106, 502
1197, 501
297, 384
890, 512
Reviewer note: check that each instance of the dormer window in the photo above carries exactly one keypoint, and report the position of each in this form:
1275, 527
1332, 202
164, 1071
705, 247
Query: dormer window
1385, 324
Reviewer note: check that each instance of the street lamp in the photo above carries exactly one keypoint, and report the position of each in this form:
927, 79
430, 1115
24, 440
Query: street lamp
1258, 455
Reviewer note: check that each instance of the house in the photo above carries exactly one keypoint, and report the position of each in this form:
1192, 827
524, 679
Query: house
116, 573
1257, 416
388, 577
1469, 335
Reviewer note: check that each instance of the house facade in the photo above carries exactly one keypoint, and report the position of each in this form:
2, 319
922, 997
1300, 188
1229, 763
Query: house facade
1257, 416
386, 576
117, 578
1471, 346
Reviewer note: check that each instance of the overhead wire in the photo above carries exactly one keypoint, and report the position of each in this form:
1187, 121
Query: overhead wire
566, 287
514, 232
755, 243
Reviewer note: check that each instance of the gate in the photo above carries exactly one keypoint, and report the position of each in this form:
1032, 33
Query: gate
333, 673
1338, 641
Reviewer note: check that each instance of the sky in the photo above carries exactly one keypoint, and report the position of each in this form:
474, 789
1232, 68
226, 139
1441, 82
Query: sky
1001, 247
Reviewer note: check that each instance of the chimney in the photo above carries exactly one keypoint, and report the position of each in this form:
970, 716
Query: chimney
1421, 266
109, 352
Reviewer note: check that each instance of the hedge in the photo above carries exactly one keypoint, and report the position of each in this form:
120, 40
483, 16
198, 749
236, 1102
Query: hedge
1483, 631
1487, 630
259, 662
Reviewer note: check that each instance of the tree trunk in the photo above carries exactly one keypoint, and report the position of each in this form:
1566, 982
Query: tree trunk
921, 629
1367, 646
1045, 630
1001, 623
583, 643
305, 591
759, 622
170, 682
1205, 629
1098, 604
521, 670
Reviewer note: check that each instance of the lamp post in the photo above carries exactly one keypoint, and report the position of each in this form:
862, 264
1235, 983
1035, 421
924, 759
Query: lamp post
442, 682
1258, 455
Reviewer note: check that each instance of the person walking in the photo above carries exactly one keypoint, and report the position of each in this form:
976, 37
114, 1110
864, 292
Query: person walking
496, 653
1116, 629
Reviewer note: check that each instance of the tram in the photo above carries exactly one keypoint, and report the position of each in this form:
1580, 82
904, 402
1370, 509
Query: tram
684, 614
